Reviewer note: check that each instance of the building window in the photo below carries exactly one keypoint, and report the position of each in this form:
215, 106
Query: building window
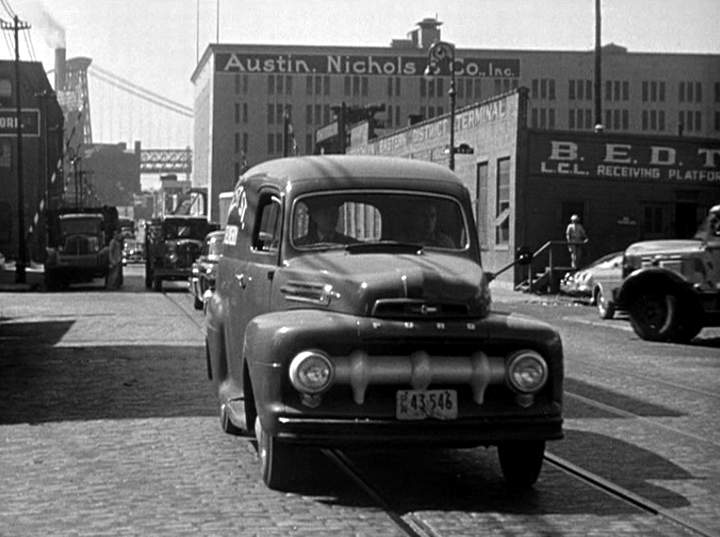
270, 143
571, 91
237, 142
571, 119
245, 112
245, 143
348, 83
279, 85
534, 85
318, 85
309, 144
271, 84
308, 114
390, 86
717, 92
270, 114
398, 82
502, 211
237, 112
477, 88
326, 114
481, 192
326, 85
309, 85
288, 85
318, 114
356, 86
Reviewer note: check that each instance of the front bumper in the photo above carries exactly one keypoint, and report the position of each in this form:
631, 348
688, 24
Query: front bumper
448, 433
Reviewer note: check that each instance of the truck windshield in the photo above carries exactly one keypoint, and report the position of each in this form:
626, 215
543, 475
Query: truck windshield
341, 218
80, 226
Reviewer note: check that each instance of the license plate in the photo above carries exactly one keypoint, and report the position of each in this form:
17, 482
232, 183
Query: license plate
421, 404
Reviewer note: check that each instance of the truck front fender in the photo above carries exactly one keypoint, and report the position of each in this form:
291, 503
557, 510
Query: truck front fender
656, 278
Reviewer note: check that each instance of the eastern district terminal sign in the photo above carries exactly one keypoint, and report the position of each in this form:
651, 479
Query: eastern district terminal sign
29, 124
626, 159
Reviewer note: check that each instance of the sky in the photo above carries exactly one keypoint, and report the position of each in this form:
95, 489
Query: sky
155, 43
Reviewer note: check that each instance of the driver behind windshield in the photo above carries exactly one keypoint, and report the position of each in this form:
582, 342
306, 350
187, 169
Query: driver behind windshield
322, 226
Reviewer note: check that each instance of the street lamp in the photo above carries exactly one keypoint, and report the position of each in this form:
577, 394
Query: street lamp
441, 51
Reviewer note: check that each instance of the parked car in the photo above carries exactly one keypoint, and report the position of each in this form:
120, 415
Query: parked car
597, 281
338, 319
172, 244
204, 269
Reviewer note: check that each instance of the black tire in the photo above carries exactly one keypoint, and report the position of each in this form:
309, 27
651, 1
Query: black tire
521, 462
148, 277
276, 459
51, 281
197, 304
653, 315
689, 321
157, 284
605, 307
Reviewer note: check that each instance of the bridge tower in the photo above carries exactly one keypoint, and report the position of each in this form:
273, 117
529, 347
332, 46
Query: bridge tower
71, 86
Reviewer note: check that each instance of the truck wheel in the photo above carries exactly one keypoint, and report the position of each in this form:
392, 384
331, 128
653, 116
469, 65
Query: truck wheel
521, 461
689, 322
605, 307
51, 281
276, 461
653, 315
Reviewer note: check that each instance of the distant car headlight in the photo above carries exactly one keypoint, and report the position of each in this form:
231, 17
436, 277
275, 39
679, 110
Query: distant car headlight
311, 372
527, 371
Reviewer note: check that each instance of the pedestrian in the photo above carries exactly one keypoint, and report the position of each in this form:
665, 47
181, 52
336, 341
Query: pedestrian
576, 237
114, 279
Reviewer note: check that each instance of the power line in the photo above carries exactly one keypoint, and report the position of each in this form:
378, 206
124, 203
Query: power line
8, 9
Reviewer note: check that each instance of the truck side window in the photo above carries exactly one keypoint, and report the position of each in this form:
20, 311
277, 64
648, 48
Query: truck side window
266, 236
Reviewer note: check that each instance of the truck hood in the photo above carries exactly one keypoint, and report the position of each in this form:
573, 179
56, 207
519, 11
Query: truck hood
664, 247
421, 286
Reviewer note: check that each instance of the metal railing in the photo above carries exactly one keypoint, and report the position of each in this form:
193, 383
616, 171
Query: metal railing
550, 249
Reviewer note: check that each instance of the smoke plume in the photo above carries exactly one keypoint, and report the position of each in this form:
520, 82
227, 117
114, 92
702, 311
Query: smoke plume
51, 30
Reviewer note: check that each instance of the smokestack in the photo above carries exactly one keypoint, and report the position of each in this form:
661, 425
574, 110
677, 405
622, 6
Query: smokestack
59, 69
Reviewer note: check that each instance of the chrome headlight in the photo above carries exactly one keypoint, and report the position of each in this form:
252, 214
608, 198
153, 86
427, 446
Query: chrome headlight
527, 371
311, 372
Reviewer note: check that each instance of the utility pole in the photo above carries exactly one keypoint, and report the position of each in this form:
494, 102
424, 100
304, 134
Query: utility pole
16, 26
598, 70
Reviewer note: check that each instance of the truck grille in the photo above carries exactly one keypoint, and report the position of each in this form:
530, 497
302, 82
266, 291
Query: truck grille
402, 308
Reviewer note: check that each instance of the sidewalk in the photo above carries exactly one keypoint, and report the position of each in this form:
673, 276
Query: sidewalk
33, 278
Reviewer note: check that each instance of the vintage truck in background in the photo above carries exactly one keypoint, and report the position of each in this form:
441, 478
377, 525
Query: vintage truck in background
671, 288
77, 244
